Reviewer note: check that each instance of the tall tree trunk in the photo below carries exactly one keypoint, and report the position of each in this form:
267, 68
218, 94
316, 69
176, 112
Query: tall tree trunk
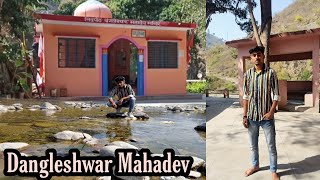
263, 36
266, 20
254, 25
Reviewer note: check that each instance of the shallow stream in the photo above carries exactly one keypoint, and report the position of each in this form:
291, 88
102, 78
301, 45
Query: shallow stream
38, 127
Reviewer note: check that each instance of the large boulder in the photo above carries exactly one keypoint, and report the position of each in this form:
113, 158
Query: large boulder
70, 135
109, 150
124, 145
175, 109
138, 115
197, 162
194, 174
11, 108
95, 141
70, 103
48, 106
34, 107
12, 145
18, 108
201, 127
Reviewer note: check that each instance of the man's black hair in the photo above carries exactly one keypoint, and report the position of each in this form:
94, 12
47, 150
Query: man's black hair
257, 49
119, 78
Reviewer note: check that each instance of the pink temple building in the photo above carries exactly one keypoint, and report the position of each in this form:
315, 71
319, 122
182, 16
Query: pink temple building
84, 52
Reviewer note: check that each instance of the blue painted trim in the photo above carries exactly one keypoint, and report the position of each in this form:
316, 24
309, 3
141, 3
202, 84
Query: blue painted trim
140, 77
104, 74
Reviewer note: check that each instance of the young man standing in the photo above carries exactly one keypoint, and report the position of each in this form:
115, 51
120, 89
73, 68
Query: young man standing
125, 96
260, 99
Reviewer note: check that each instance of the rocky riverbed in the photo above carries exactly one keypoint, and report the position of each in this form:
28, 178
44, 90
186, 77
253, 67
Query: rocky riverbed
37, 126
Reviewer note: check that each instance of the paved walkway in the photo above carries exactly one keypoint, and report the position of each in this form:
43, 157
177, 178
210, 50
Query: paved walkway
228, 153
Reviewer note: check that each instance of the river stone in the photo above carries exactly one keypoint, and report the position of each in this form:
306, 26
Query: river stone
85, 117
123, 145
109, 150
77, 136
85, 106
172, 178
116, 115
11, 108
201, 127
18, 108
141, 115
97, 105
202, 169
197, 162
48, 106
34, 107
105, 178
194, 174
167, 122
12, 145
58, 107
70, 103
132, 119
138, 109
95, 141
70, 135
176, 109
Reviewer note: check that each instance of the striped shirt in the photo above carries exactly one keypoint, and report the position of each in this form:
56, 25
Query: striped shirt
122, 92
260, 89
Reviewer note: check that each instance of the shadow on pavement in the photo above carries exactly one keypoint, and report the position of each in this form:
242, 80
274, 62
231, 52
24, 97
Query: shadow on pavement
216, 105
308, 165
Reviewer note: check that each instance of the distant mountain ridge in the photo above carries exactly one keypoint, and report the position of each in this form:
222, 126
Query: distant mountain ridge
300, 15
212, 40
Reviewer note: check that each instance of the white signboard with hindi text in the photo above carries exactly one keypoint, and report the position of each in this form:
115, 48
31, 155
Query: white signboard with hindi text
136, 33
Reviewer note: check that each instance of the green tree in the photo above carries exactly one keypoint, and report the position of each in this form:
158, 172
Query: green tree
261, 32
67, 7
16, 19
137, 9
192, 11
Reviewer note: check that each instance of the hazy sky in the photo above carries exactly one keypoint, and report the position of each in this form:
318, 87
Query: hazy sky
224, 25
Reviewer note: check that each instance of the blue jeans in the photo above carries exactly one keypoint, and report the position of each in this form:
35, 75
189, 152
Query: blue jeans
129, 103
270, 134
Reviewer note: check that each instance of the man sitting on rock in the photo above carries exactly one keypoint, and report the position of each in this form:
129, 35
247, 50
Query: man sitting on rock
125, 96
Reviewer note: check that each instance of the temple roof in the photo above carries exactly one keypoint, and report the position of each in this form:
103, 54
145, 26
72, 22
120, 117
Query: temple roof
93, 8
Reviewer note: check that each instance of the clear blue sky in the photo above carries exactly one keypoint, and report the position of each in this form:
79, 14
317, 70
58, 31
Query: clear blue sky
224, 25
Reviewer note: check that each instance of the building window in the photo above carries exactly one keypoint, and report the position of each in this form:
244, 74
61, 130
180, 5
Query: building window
162, 55
76, 53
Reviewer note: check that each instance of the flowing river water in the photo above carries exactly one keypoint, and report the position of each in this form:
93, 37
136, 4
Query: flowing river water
38, 127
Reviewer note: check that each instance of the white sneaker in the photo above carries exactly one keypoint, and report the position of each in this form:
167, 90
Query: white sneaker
131, 115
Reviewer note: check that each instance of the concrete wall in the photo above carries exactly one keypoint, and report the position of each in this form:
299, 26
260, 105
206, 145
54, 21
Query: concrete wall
294, 86
283, 84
